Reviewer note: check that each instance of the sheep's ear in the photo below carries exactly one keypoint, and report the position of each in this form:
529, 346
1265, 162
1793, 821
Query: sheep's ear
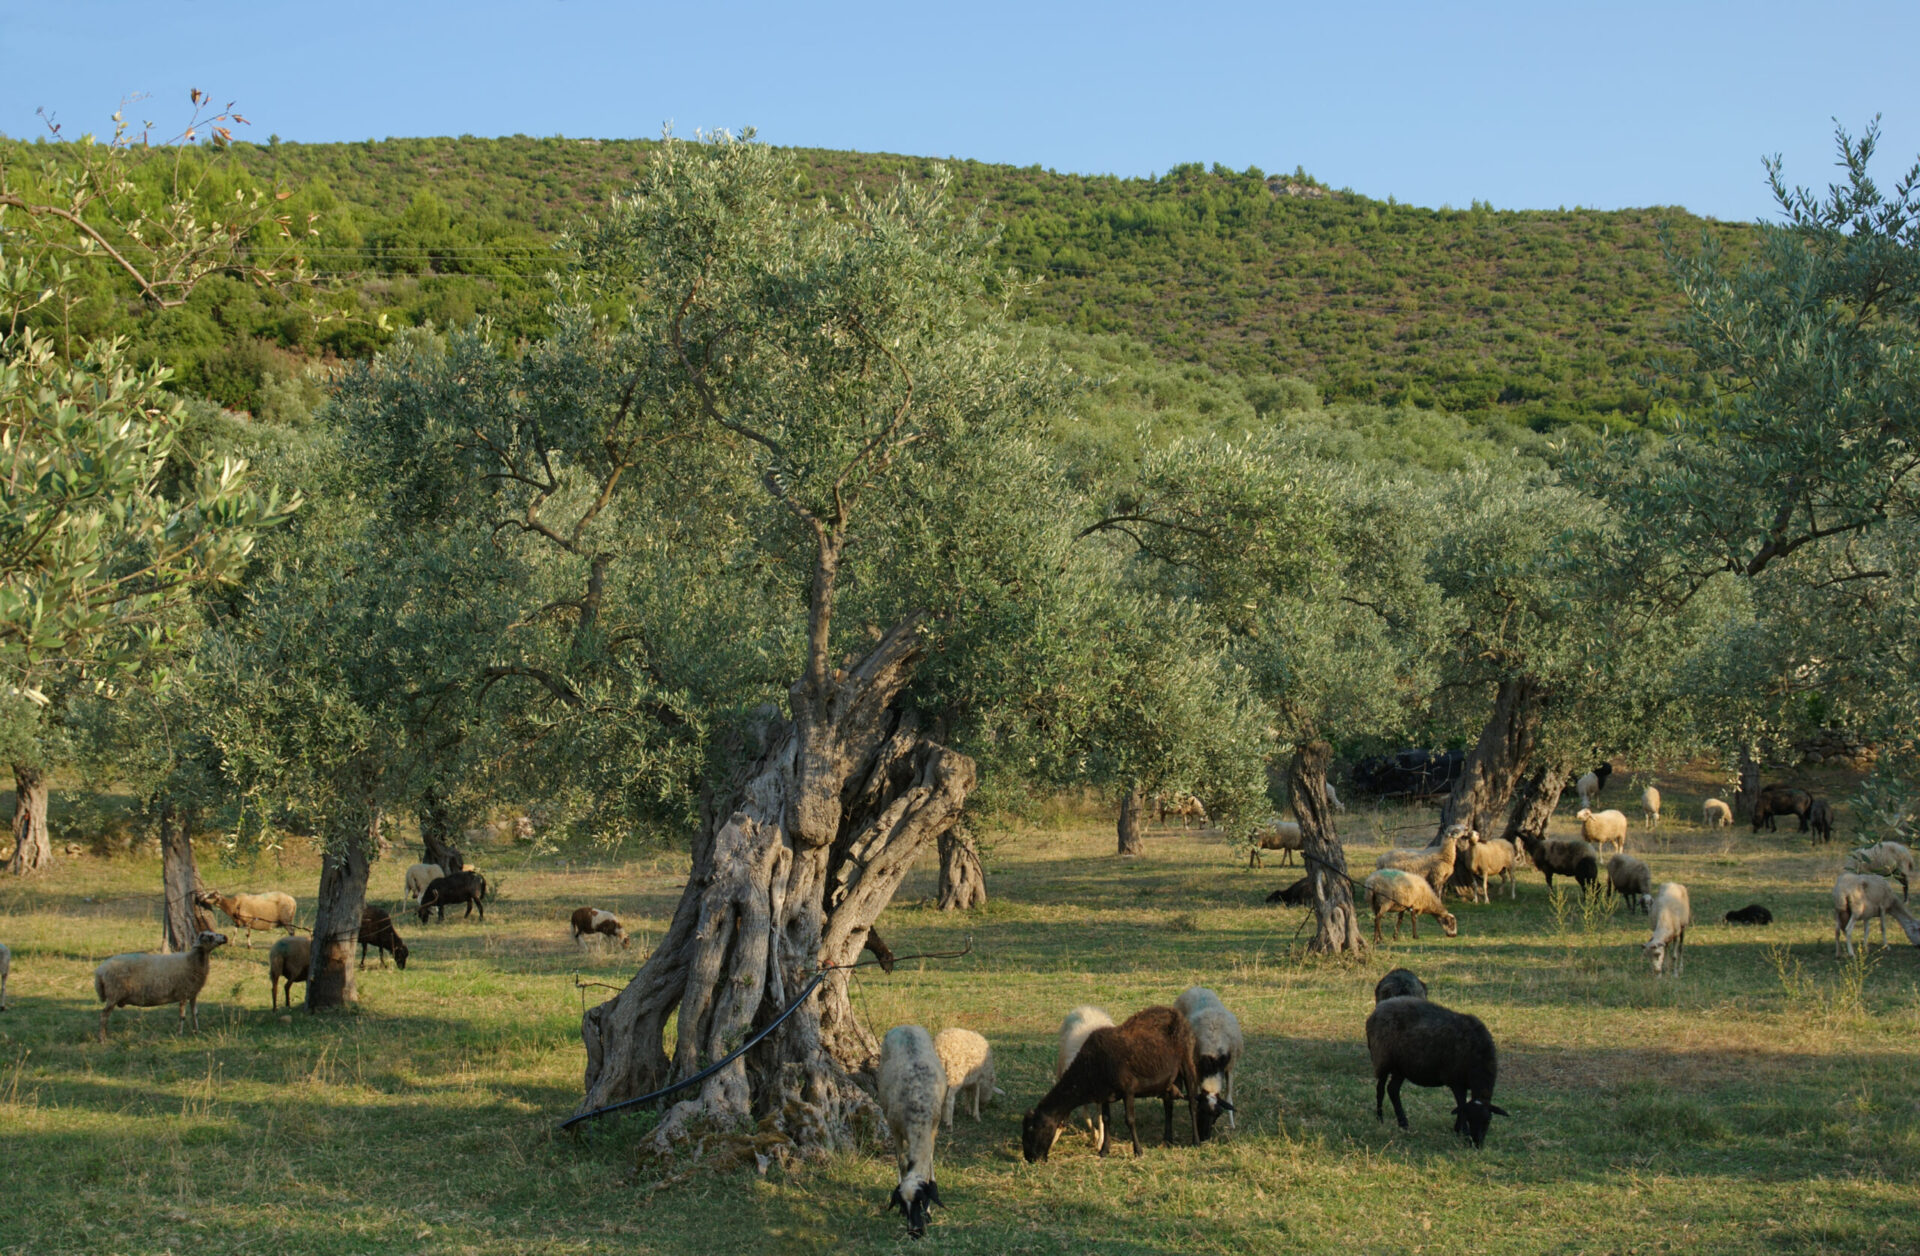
1222, 1104
1497, 1110
933, 1193
896, 1201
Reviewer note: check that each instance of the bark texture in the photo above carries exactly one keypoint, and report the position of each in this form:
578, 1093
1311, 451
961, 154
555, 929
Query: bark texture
1534, 803
1132, 823
32, 846
179, 878
1499, 758
1749, 791
788, 876
1339, 924
963, 883
436, 832
336, 921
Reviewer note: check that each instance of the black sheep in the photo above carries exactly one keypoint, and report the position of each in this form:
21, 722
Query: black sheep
1751, 914
1400, 983
1820, 820
1414, 1040
1781, 800
1567, 858
1151, 1053
460, 887
376, 930
1299, 894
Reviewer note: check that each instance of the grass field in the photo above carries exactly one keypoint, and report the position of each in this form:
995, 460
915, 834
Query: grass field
1764, 1102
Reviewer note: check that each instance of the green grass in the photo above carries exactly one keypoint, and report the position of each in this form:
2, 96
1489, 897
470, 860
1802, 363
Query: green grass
1726, 1111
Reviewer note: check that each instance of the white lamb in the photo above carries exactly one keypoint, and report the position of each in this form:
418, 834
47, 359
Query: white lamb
1276, 834
1080, 1022
913, 1093
1860, 897
148, 979
1716, 813
420, 876
968, 1060
1217, 1046
1887, 859
1603, 828
1672, 913
1650, 806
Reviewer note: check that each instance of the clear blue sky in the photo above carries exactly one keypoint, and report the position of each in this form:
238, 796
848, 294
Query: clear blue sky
1522, 104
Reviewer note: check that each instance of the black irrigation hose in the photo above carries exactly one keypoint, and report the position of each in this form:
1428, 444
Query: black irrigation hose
812, 983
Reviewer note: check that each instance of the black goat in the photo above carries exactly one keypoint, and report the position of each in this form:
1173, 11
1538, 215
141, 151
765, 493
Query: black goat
1751, 914
1151, 1053
1299, 894
376, 930
448, 891
1414, 1040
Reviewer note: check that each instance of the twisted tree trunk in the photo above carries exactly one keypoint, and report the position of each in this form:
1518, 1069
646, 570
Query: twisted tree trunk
963, 883
32, 846
436, 832
1339, 924
1534, 804
354, 836
787, 877
1749, 791
1500, 756
1132, 838
179, 878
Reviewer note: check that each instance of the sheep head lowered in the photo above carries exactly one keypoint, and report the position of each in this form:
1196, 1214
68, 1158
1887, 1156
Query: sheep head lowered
916, 1206
1473, 1117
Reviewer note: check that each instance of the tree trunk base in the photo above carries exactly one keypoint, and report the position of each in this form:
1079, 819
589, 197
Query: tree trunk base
1338, 931
32, 845
963, 883
1131, 831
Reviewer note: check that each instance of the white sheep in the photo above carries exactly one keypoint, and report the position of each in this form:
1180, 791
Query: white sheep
1494, 857
1333, 798
913, 1093
1672, 913
1716, 813
1860, 897
1080, 1022
149, 979
1887, 859
420, 876
1587, 787
968, 1059
1276, 834
1632, 880
1217, 1047
1406, 894
273, 909
1433, 865
1650, 806
1603, 828
6, 968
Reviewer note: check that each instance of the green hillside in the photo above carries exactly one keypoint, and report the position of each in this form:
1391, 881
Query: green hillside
1540, 318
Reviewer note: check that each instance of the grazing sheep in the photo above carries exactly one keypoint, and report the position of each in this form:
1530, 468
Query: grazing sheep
151, 979
1399, 984
913, 1091
1888, 859
1405, 894
1217, 1046
1281, 835
1751, 914
1861, 897
1151, 1054
1781, 800
377, 931
1820, 820
1567, 857
1299, 894
419, 877
290, 960
1493, 857
1415, 1040
6, 970
1603, 828
1716, 813
1333, 798
1672, 912
969, 1064
588, 921
1631, 880
1080, 1022
459, 887
1433, 866
1649, 807
1187, 807
271, 910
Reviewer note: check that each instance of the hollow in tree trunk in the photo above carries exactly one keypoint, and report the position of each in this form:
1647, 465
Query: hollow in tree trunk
1488, 777
788, 876
1534, 803
32, 847
1749, 790
436, 831
1132, 809
1339, 924
179, 878
353, 836
963, 883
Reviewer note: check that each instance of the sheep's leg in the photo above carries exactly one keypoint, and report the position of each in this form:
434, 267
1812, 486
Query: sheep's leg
104, 1013
1133, 1126
1106, 1128
1380, 1096
1413, 919
948, 1114
1393, 1092
1228, 1087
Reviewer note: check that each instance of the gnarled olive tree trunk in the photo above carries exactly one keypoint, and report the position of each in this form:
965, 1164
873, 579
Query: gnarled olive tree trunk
437, 832
1339, 924
963, 883
788, 876
1131, 826
1748, 792
1534, 803
352, 836
32, 846
179, 878
1488, 777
